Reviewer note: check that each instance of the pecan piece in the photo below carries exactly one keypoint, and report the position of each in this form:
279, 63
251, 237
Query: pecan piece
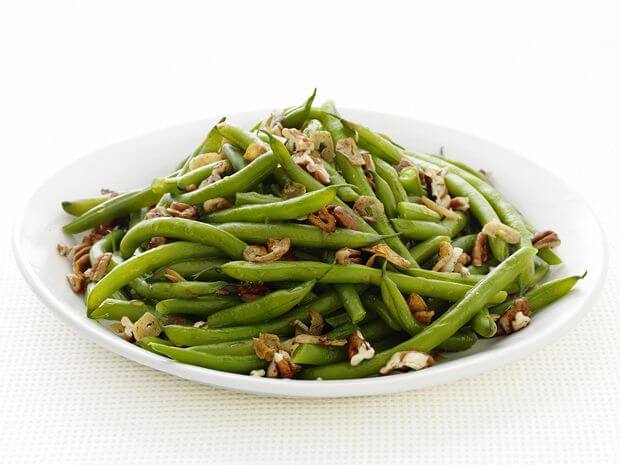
459, 203
348, 148
358, 348
384, 250
77, 283
216, 204
281, 366
173, 276
516, 317
323, 144
313, 165
100, 266
480, 250
255, 150
156, 242
317, 323
404, 163
297, 142
502, 231
369, 208
443, 211
266, 345
204, 159
419, 309
546, 240
343, 217
451, 258
275, 250
323, 219
407, 360
347, 255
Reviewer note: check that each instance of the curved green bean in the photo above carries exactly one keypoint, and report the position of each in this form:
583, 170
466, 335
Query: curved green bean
202, 306
80, 206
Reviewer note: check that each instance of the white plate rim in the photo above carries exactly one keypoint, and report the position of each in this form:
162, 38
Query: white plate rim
439, 374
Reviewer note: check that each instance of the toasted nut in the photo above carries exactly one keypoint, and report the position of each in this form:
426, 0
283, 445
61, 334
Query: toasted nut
347, 255
273, 123
384, 250
178, 320
63, 249
502, 231
204, 159
281, 366
81, 264
156, 242
480, 251
443, 211
407, 360
419, 309
459, 203
266, 345
80, 250
276, 250
252, 291
259, 372
293, 189
253, 252
323, 219
404, 163
77, 283
516, 317
324, 144
255, 150
546, 240
156, 212
461, 264
318, 340
369, 163
435, 181
191, 187
216, 204
313, 165
127, 328
448, 257
218, 173
343, 217
173, 276
348, 148
371, 179
147, 326
297, 142
359, 349
100, 266
182, 210
317, 323
201, 324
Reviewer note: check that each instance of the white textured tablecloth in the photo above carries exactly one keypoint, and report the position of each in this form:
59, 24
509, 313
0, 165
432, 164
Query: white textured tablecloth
80, 75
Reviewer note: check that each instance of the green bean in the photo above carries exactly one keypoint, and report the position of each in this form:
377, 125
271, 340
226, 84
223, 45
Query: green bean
344, 318
190, 336
373, 331
111, 209
202, 306
442, 328
109, 243
351, 302
387, 172
543, 295
385, 195
344, 274
374, 303
483, 324
243, 180
234, 156
239, 137
254, 198
243, 347
549, 256
345, 193
80, 206
384, 148
409, 178
184, 229
425, 250
230, 363
301, 235
181, 290
196, 176
458, 342
422, 230
146, 342
290, 209
296, 116
136, 266
415, 211
397, 305
353, 174
197, 269
263, 309
114, 309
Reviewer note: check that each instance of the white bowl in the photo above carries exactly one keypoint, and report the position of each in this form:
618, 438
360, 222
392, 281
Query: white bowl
547, 201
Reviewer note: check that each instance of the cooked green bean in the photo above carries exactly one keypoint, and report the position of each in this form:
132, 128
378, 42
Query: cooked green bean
422, 230
80, 206
415, 211
243, 347
254, 198
201, 306
461, 340
425, 250
483, 324
351, 302
409, 178
114, 309
197, 269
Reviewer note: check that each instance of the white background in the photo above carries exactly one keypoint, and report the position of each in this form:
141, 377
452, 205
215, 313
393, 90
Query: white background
538, 77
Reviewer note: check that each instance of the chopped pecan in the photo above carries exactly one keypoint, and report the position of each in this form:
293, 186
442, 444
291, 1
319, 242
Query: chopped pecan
313, 165
273, 123
275, 250
77, 283
407, 360
266, 345
419, 309
459, 203
323, 144
156, 242
369, 163
323, 219
502, 231
443, 211
63, 249
255, 150
343, 217
297, 142
347, 255
281, 366
436, 185
450, 257
100, 266
516, 317
156, 212
358, 348
218, 173
127, 328
317, 323
252, 291
216, 204
81, 264
546, 240
348, 148
480, 250
383, 250
204, 159
404, 163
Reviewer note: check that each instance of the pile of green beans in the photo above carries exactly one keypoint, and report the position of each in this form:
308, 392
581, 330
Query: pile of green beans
318, 231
